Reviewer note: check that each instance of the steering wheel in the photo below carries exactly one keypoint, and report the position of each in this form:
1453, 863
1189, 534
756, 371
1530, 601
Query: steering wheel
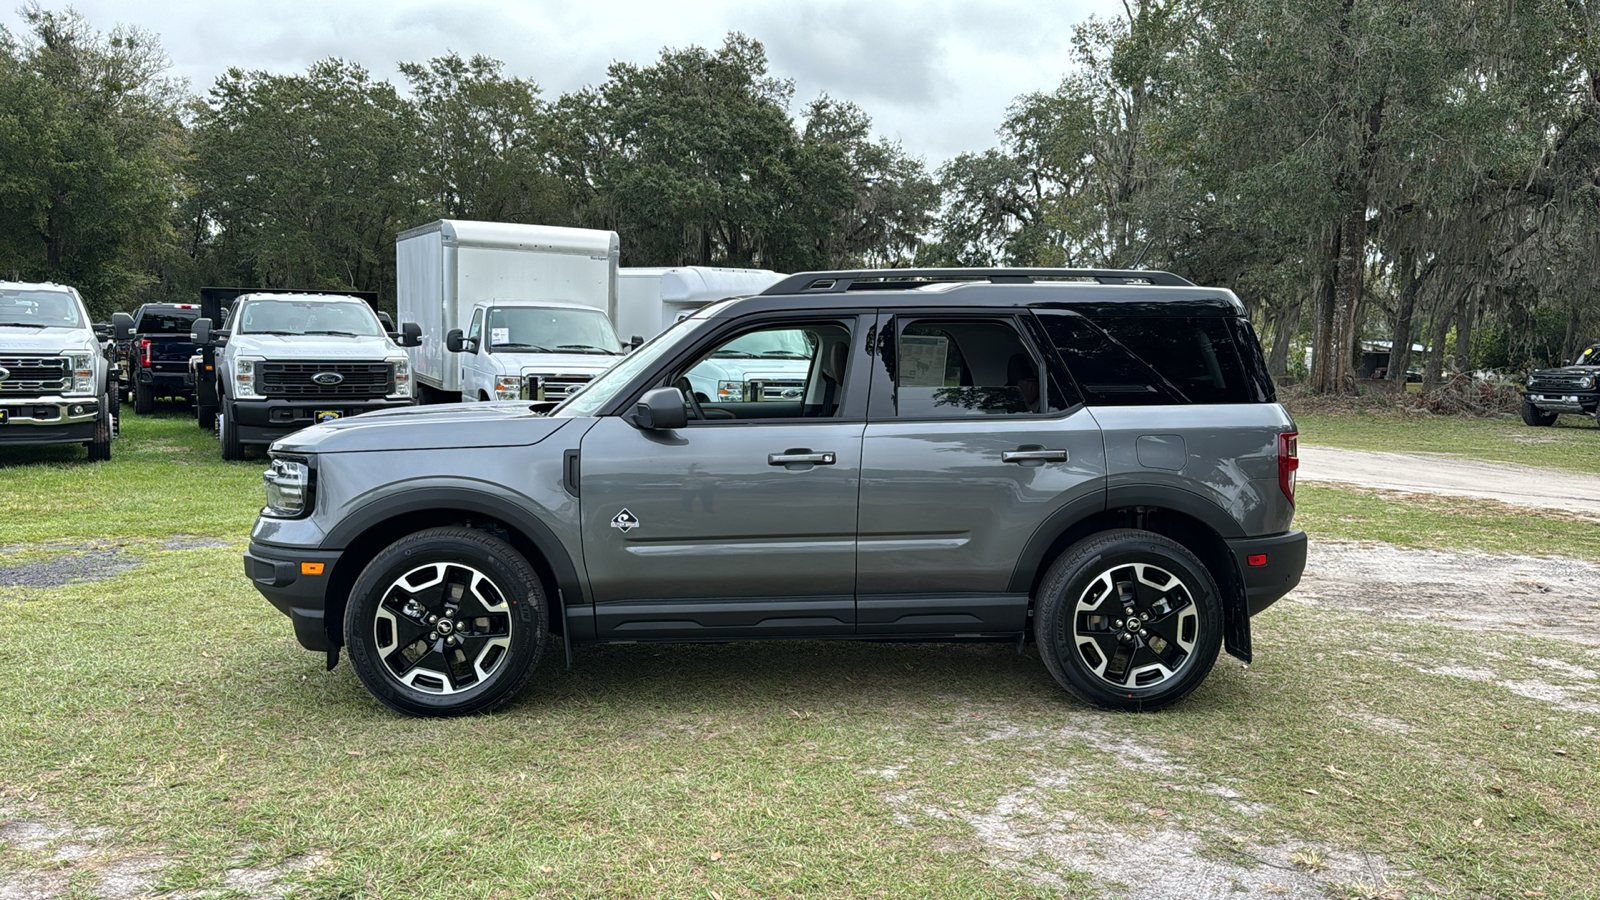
687, 390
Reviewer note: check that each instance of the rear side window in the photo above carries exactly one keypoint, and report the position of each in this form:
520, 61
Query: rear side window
1146, 360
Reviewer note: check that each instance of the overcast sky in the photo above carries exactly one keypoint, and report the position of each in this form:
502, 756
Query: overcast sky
938, 76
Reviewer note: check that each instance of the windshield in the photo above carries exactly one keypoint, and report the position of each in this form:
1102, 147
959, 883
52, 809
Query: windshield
1590, 357
603, 389
783, 344
335, 317
178, 322
516, 329
39, 309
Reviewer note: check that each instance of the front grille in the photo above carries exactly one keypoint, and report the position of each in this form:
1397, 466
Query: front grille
34, 376
775, 388
284, 379
552, 387
1563, 382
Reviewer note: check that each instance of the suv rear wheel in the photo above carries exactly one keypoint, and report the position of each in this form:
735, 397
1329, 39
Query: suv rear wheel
1128, 620
446, 622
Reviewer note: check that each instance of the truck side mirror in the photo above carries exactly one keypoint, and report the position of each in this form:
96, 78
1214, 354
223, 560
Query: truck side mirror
202, 331
410, 335
660, 410
122, 326
455, 342
635, 343
102, 330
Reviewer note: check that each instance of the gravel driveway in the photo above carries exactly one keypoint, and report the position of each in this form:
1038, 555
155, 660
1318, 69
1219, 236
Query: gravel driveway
1429, 473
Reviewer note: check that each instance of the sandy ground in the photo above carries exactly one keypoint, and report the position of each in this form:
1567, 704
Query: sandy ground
1428, 473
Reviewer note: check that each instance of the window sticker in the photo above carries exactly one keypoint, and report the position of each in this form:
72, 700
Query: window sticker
923, 360
499, 335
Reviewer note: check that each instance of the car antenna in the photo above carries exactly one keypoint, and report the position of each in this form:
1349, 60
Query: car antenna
1143, 252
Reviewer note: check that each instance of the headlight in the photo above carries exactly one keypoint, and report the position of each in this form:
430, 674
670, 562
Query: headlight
1587, 383
82, 372
730, 391
288, 484
508, 387
401, 366
244, 377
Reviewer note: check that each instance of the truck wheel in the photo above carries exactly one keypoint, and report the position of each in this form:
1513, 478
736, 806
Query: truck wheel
116, 412
206, 416
232, 449
100, 447
144, 403
446, 622
1128, 620
1533, 415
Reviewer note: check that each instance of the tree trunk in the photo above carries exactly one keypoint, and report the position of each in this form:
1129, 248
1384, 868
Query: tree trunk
1469, 315
1400, 346
1347, 292
1284, 324
1441, 329
1322, 326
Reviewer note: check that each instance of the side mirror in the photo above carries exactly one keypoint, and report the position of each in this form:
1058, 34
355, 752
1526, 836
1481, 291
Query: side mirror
102, 330
1566, 362
202, 331
635, 343
455, 342
410, 335
387, 321
122, 326
660, 410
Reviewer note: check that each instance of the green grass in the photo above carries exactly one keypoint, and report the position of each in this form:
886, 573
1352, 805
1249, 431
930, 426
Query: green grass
171, 704
1460, 523
1572, 444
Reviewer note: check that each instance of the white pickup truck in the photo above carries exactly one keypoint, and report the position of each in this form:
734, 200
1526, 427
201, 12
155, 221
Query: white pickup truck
56, 385
531, 350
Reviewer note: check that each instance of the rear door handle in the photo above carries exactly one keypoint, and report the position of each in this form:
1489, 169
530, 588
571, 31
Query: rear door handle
1040, 455
801, 457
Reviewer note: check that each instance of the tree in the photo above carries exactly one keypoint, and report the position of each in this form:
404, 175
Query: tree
89, 147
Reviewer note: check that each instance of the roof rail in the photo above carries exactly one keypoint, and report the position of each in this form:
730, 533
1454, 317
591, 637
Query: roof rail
897, 279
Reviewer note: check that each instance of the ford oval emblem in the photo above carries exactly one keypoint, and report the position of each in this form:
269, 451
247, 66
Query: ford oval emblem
4, 374
327, 378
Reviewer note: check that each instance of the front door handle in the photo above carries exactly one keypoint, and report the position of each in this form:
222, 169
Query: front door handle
801, 457
1033, 455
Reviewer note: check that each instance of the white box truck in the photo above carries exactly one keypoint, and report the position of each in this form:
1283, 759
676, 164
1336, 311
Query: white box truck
529, 308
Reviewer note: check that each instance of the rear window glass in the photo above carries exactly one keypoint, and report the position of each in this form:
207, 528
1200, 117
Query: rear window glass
173, 322
1144, 360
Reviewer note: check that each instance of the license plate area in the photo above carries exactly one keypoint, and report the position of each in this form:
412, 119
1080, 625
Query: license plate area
5, 416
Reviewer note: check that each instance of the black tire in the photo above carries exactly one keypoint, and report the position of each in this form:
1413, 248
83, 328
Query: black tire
100, 447
1083, 631
1538, 418
228, 431
394, 601
144, 402
116, 412
205, 417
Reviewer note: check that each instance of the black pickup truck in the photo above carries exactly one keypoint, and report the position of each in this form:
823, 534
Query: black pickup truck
155, 361
1573, 388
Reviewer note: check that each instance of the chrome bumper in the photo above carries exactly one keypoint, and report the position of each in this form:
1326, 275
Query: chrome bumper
49, 411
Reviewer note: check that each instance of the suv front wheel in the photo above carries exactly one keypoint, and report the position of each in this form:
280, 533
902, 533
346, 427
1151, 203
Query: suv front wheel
1128, 620
445, 622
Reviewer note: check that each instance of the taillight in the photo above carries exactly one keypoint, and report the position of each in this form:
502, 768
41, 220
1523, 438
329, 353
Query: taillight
1288, 461
144, 352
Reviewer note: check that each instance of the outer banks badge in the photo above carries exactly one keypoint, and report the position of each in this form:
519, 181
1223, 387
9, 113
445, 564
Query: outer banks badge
625, 521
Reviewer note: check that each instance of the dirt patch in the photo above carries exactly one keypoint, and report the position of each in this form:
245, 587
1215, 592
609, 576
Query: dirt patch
68, 859
1436, 473
86, 565
194, 542
1554, 598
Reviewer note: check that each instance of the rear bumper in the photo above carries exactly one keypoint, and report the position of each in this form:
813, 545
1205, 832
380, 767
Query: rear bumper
1279, 561
277, 574
170, 380
264, 421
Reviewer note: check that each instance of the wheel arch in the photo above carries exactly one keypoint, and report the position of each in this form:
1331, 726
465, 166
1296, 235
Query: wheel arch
1199, 525
364, 534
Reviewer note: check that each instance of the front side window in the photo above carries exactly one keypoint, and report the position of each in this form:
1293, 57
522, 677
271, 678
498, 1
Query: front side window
777, 372
476, 328
600, 392
326, 317
43, 309
942, 369
524, 329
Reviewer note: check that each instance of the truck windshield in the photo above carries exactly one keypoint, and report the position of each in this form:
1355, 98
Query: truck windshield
779, 344
519, 329
603, 389
352, 318
39, 309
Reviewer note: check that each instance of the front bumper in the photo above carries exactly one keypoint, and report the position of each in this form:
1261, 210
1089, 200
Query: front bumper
1270, 567
48, 420
280, 575
1563, 402
264, 421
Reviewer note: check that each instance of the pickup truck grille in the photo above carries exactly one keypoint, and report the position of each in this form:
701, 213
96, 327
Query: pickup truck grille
1559, 382
774, 388
552, 387
297, 379
34, 376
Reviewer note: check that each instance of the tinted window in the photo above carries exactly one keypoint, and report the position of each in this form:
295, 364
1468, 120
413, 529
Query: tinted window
171, 322
962, 368
1140, 360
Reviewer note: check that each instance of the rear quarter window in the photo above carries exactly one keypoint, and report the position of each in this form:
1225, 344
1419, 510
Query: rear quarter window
1148, 360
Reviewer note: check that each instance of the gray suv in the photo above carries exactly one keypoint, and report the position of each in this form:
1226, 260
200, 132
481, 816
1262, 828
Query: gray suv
1091, 459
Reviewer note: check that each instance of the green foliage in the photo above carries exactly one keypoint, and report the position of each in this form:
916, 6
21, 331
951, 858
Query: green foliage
89, 149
